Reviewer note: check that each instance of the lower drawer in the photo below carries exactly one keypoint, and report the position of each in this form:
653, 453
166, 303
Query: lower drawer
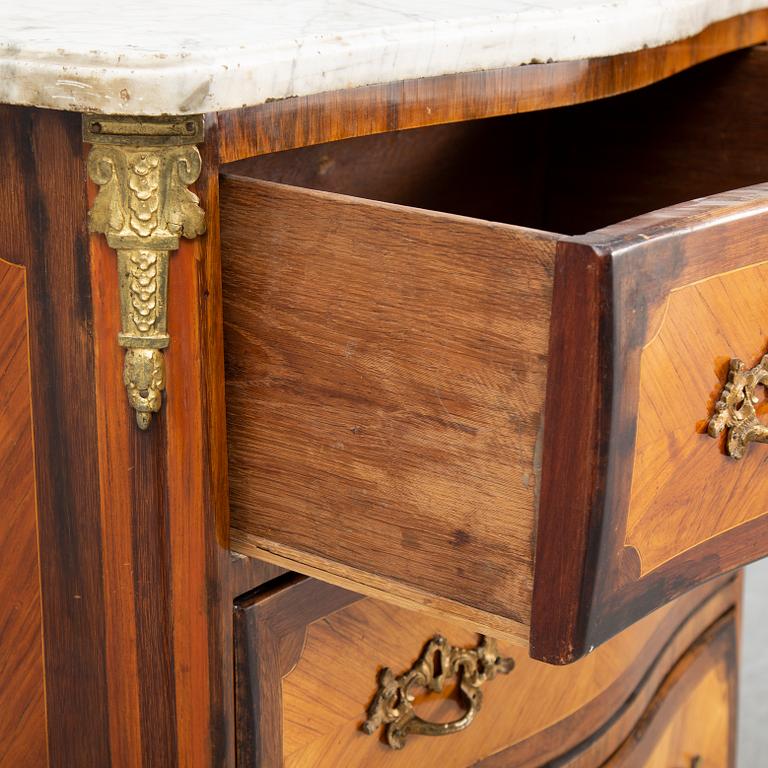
690, 721
310, 659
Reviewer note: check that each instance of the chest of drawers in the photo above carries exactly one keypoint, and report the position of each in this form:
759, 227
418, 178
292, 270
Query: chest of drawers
472, 343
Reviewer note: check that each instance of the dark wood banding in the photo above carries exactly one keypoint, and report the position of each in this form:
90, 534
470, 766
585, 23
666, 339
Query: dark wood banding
43, 219
269, 628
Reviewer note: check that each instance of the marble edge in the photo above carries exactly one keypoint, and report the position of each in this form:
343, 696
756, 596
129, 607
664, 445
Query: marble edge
232, 78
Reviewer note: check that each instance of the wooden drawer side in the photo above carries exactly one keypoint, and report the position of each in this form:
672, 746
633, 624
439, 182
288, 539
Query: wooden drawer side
385, 380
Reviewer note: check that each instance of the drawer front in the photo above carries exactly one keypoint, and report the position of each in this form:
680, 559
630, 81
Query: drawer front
691, 721
387, 414
504, 425
652, 312
309, 658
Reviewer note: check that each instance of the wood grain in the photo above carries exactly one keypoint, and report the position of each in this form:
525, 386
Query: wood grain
617, 164
23, 726
297, 122
43, 217
198, 516
572, 468
694, 712
676, 468
135, 575
530, 716
384, 370
134, 569
270, 627
169, 573
717, 117
624, 722
641, 262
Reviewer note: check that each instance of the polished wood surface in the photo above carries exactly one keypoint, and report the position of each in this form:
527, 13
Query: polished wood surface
677, 470
384, 370
270, 627
329, 667
305, 120
134, 569
300, 378
23, 727
613, 283
693, 715
160, 519
136, 577
43, 220
168, 570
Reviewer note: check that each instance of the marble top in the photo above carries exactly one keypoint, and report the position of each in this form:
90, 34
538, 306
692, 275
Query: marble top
148, 57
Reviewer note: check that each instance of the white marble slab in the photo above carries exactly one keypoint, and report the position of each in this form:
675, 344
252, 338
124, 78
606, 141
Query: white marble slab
186, 56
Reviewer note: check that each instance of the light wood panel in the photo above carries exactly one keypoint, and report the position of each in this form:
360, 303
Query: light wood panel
23, 727
384, 393
679, 470
699, 727
692, 719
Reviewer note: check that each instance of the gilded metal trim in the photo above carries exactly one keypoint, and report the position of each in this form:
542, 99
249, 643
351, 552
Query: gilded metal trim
143, 168
735, 410
393, 703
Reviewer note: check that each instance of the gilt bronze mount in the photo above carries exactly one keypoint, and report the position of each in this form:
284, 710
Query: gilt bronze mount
143, 167
735, 409
439, 662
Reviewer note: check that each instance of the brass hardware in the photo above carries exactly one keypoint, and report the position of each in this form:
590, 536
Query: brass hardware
393, 703
147, 131
143, 167
735, 410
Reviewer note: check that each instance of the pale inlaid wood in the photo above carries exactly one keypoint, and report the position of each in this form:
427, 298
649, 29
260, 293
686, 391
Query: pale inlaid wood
23, 738
678, 468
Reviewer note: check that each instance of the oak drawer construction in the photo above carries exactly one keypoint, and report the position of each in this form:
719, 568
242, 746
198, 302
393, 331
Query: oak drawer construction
310, 660
440, 393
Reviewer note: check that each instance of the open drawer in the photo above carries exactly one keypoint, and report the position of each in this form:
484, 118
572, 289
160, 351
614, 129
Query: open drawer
435, 399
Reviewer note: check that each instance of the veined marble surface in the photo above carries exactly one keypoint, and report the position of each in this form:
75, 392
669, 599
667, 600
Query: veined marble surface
149, 57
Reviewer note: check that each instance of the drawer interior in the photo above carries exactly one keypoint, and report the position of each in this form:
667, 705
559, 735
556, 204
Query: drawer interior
568, 170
